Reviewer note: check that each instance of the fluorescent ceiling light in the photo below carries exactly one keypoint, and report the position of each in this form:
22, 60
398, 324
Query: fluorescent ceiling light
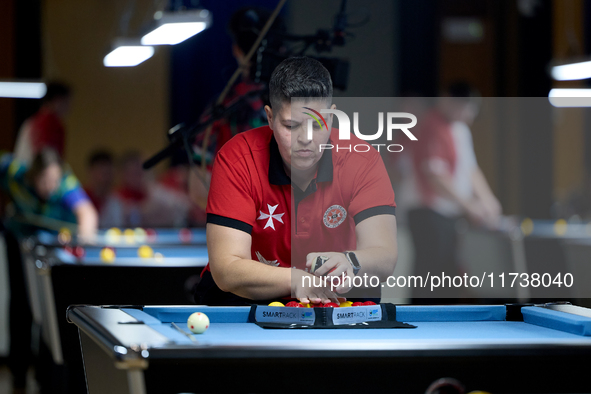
573, 71
32, 90
175, 27
127, 53
570, 97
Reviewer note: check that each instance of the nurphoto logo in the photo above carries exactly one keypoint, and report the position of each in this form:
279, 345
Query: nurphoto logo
345, 129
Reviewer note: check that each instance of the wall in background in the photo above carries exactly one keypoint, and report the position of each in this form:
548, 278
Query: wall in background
569, 124
115, 108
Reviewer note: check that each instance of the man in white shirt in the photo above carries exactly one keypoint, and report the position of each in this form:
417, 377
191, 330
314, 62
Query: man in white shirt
450, 185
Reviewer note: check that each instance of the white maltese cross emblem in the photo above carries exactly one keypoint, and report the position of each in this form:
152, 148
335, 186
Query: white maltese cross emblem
270, 216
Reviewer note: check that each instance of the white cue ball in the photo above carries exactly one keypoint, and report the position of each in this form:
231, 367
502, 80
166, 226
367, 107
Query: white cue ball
198, 322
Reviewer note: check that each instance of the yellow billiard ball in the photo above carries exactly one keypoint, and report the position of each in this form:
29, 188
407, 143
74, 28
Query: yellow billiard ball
113, 235
527, 226
129, 236
107, 255
64, 236
145, 252
276, 304
346, 304
560, 227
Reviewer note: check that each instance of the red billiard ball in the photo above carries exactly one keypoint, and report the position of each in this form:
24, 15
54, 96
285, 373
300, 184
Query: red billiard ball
357, 303
331, 305
79, 252
319, 305
185, 235
369, 303
69, 249
294, 304
151, 235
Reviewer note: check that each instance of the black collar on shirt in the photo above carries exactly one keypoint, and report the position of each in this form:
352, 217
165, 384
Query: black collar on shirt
277, 175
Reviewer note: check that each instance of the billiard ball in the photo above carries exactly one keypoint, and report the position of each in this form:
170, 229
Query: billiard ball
346, 304
129, 236
369, 303
113, 235
318, 305
140, 235
198, 322
64, 236
357, 303
331, 305
79, 252
151, 234
159, 257
560, 227
145, 252
185, 235
294, 304
107, 255
275, 303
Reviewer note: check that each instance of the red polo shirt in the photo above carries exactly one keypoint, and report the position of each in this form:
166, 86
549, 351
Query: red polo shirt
250, 191
438, 145
47, 131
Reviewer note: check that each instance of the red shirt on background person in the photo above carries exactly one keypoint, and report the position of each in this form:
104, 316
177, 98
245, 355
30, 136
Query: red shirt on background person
45, 129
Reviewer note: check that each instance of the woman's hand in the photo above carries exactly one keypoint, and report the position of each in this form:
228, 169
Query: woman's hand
336, 265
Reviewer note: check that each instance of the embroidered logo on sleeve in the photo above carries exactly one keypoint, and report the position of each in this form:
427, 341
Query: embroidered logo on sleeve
334, 216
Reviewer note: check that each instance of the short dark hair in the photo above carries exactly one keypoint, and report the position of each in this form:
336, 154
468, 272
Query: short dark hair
100, 156
299, 77
56, 89
246, 24
42, 160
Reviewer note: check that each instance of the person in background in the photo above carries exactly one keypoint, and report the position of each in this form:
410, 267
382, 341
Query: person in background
142, 202
399, 165
43, 195
244, 27
46, 128
101, 178
101, 188
176, 179
449, 182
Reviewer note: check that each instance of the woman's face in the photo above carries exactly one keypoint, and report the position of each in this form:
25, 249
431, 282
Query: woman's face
48, 181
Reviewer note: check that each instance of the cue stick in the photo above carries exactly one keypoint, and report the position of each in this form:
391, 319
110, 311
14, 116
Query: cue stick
45, 222
173, 324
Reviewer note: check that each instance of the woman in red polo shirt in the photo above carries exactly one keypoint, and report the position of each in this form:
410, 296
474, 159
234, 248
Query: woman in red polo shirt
277, 202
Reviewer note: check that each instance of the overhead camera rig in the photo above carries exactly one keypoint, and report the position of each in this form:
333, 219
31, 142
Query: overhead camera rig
266, 61
324, 40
